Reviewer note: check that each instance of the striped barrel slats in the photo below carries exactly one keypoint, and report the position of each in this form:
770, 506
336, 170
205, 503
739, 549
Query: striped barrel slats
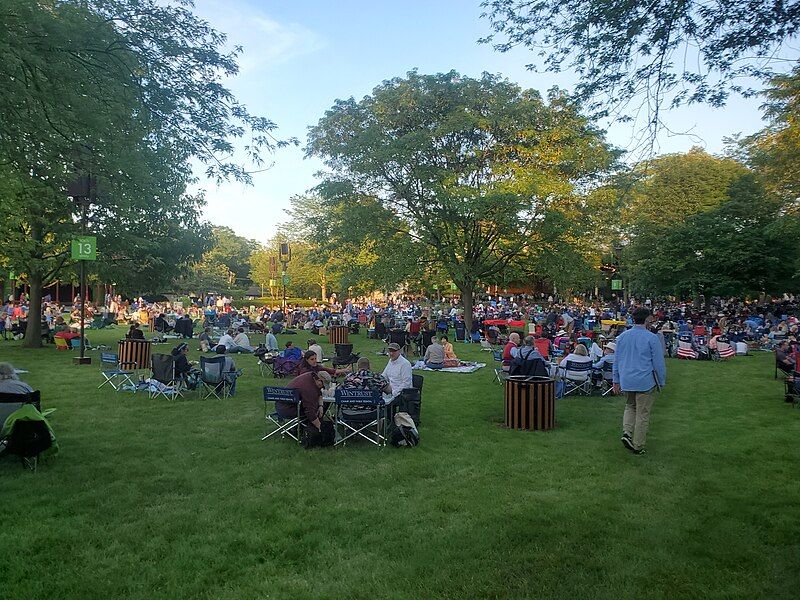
338, 334
135, 351
530, 405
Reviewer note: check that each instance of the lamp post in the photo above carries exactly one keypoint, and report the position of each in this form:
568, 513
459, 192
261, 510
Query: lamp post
81, 191
285, 257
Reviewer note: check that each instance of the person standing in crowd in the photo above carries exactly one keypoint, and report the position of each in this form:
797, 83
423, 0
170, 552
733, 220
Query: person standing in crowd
639, 371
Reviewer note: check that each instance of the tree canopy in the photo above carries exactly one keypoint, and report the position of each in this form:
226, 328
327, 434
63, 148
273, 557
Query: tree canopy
467, 168
661, 53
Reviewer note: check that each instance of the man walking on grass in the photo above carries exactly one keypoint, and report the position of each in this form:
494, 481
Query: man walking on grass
639, 372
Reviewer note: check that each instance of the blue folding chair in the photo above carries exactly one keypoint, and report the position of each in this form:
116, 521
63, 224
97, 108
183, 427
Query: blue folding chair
123, 371
282, 425
361, 413
577, 378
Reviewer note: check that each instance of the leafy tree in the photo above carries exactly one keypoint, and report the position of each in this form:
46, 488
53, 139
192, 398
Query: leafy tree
468, 166
738, 247
673, 52
775, 151
130, 91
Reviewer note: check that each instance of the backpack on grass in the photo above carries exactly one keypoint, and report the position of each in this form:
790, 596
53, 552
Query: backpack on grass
404, 433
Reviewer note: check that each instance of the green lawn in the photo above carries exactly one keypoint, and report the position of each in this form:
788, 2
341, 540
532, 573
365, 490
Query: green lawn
158, 499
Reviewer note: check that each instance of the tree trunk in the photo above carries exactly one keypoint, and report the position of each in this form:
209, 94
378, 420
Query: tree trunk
324, 286
33, 333
468, 298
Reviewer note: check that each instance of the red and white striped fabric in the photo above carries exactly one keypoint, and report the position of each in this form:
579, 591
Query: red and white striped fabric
686, 351
725, 350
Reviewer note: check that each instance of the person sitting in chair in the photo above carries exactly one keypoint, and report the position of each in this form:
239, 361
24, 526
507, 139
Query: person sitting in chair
229, 371
290, 351
10, 382
205, 340
309, 385
365, 379
182, 366
398, 370
510, 350
434, 355
579, 355
783, 358
309, 362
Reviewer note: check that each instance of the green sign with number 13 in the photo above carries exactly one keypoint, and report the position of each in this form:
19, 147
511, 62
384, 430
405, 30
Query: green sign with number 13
84, 248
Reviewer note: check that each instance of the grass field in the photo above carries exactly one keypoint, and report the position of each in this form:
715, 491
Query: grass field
158, 499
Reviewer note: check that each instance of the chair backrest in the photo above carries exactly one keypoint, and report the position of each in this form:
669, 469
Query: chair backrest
33, 397
607, 369
75, 343
343, 350
398, 337
358, 397
497, 355
417, 381
543, 346
163, 367
281, 394
212, 368
109, 358
580, 369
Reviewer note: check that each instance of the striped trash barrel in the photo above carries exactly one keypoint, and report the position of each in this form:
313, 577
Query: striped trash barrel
338, 334
135, 351
530, 403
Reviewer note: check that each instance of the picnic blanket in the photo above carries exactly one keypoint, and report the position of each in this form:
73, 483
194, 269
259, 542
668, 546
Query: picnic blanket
469, 367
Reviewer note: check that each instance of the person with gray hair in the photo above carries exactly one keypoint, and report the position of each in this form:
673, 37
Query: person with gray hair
366, 379
9, 381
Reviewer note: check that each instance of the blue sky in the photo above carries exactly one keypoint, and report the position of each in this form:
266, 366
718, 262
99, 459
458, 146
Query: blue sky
300, 56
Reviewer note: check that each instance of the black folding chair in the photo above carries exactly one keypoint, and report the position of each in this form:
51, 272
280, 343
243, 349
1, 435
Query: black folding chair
212, 377
283, 426
361, 413
344, 356
401, 339
163, 372
28, 438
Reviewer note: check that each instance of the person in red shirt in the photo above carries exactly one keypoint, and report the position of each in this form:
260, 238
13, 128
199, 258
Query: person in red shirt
509, 350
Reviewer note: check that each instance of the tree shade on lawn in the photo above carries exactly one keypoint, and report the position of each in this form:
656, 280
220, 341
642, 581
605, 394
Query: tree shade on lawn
150, 498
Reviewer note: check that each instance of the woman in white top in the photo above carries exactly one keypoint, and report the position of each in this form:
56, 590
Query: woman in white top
578, 355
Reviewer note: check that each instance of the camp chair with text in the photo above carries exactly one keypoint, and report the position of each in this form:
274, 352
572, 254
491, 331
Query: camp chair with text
361, 413
282, 426
576, 377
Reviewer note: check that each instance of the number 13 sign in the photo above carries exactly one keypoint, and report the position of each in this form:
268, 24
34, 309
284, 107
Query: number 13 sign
84, 248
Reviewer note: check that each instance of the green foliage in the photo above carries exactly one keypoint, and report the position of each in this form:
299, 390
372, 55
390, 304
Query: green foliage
464, 168
774, 152
739, 247
674, 53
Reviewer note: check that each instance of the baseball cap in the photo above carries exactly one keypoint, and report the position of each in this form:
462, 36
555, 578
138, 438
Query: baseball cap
393, 347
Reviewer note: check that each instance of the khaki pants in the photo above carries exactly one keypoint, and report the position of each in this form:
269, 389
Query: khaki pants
636, 418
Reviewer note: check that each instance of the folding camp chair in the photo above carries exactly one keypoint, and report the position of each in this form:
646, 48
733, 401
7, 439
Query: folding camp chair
123, 371
361, 413
27, 439
576, 378
401, 339
212, 377
163, 373
344, 356
607, 382
283, 426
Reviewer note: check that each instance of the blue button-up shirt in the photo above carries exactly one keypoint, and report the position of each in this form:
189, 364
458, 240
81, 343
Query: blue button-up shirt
639, 361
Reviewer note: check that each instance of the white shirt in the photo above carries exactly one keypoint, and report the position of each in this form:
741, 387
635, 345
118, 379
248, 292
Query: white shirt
226, 341
398, 372
317, 350
241, 340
